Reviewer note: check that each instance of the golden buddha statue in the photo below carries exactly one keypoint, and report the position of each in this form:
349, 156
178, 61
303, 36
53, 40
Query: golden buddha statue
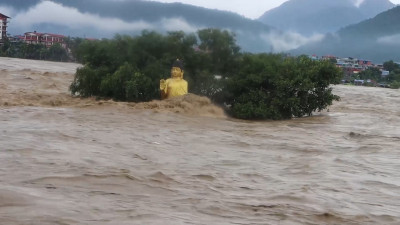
176, 85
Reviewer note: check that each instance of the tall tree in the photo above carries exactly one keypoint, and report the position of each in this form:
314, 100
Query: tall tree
390, 65
222, 48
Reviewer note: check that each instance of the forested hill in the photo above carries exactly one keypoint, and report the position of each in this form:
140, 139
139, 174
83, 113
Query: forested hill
154, 11
376, 39
151, 11
105, 18
322, 16
384, 24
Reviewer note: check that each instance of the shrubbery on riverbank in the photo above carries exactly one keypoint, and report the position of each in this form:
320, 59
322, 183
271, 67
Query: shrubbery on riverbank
251, 86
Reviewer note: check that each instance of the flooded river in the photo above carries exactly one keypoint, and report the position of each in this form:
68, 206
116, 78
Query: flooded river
66, 160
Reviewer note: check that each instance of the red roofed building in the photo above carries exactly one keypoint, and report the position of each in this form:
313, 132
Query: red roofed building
3, 27
46, 39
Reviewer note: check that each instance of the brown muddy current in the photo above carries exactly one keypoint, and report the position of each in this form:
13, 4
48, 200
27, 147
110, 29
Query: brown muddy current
66, 160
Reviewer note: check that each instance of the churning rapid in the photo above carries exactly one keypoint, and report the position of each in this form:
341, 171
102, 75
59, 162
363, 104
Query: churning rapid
66, 160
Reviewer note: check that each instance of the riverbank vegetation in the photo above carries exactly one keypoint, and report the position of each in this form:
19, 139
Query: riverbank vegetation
250, 86
34, 51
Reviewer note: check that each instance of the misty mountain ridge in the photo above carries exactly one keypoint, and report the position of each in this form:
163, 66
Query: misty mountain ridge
322, 16
105, 18
376, 39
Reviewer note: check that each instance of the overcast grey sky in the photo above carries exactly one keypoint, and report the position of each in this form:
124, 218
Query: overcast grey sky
249, 8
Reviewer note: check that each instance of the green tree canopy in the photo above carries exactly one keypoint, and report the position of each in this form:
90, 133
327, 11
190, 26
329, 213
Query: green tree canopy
34, 51
278, 87
371, 73
254, 86
390, 65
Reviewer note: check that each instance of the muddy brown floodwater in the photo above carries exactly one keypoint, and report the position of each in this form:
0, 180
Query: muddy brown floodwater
66, 160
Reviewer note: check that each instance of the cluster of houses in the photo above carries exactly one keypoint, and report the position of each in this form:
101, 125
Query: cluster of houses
46, 39
352, 66
34, 37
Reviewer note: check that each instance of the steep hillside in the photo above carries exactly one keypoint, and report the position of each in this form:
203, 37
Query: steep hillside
376, 39
382, 25
371, 8
152, 11
105, 18
322, 16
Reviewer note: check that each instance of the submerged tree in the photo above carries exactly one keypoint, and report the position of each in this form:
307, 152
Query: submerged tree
253, 86
278, 87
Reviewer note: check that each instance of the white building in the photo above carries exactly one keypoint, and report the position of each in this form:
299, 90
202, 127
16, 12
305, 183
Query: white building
3, 27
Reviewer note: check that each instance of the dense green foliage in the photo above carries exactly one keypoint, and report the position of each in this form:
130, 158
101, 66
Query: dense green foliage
391, 66
372, 74
253, 86
394, 79
127, 63
33, 51
395, 85
278, 87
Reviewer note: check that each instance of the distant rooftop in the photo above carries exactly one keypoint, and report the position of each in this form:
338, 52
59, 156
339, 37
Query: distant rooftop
3, 16
44, 34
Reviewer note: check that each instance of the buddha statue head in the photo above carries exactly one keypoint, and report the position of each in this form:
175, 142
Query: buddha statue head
177, 69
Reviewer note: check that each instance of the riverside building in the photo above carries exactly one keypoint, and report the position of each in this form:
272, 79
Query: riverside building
3, 27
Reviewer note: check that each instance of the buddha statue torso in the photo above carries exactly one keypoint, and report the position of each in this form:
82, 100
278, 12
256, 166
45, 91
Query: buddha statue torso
174, 86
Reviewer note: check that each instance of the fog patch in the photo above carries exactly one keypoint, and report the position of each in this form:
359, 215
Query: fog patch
285, 41
53, 13
358, 3
47, 12
390, 40
173, 24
